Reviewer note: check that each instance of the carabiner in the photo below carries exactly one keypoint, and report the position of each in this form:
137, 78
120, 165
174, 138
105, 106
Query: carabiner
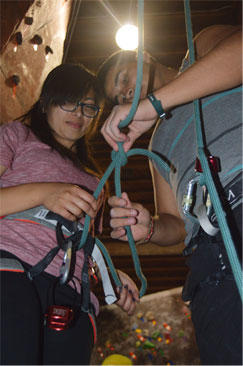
188, 199
65, 268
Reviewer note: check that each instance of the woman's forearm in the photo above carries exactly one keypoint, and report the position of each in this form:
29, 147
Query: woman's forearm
68, 200
23, 197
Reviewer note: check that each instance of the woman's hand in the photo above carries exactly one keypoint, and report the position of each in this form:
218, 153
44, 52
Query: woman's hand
125, 213
71, 202
144, 118
67, 200
129, 295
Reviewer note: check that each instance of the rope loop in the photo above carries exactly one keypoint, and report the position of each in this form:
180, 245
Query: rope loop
119, 156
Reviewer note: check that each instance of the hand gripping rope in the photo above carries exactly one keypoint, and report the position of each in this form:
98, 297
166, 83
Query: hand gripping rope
205, 178
119, 159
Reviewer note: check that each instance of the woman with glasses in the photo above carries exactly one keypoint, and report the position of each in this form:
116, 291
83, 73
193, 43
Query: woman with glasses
46, 166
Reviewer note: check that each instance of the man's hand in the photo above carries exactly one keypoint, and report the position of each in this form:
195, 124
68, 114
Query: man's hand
127, 213
144, 118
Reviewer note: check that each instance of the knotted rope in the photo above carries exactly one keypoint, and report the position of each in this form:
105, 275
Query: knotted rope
119, 159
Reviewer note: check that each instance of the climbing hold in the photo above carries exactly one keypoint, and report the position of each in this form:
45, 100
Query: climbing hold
117, 359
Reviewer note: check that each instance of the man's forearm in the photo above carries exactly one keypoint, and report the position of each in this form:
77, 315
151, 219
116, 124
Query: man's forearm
219, 70
168, 230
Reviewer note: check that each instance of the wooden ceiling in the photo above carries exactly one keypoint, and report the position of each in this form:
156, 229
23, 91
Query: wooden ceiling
93, 25
90, 40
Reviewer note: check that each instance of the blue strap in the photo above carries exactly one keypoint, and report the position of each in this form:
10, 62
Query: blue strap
207, 175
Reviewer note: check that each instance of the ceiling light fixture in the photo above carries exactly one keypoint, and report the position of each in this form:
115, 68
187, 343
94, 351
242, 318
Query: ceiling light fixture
127, 37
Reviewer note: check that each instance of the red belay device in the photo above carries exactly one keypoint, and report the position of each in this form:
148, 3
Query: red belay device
59, 317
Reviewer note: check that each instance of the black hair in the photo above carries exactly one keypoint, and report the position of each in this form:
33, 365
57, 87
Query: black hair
116, 59
65, 83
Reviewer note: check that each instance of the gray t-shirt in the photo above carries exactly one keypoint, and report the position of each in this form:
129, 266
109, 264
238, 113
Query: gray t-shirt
175, 139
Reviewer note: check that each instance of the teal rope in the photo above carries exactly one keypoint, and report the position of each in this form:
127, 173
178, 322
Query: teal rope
235, 264
119, 159
204, 105
136, 97
131, 242
118, 162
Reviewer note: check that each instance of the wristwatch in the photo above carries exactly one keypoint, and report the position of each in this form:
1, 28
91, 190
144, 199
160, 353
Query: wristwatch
157, 105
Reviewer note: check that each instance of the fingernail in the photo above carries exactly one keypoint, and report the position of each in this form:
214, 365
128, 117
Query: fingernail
131, 220
122, 202
133, 212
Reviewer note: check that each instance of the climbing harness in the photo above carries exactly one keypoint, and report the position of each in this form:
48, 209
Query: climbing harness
68, 235
206, 175
205, 208
11, 265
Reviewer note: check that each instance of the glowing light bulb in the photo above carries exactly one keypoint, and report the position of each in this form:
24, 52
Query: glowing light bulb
127, 37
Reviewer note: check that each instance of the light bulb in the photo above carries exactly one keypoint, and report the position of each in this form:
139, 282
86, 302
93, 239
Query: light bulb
127, 37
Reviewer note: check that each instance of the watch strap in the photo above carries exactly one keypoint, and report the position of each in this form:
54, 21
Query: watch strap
157, 105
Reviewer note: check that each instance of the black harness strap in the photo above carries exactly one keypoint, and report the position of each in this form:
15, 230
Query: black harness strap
62, 244
41, 266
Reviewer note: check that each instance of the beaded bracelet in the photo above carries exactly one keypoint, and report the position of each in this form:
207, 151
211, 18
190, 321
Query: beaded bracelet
150, 233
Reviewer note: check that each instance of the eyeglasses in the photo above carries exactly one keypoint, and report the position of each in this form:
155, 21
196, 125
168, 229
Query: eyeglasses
88, 110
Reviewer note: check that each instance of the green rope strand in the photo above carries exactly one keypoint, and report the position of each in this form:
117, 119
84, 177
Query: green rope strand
227, 238
119, 159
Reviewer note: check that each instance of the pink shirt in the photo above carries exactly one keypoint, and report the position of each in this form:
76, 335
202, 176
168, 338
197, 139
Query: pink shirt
28, 160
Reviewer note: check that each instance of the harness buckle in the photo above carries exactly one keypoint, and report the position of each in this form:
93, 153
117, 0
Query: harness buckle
65, 268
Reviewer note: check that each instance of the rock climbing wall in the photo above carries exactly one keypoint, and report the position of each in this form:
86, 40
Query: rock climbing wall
159, 333
32, 45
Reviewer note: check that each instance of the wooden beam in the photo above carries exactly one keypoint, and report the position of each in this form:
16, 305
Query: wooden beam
120, 248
